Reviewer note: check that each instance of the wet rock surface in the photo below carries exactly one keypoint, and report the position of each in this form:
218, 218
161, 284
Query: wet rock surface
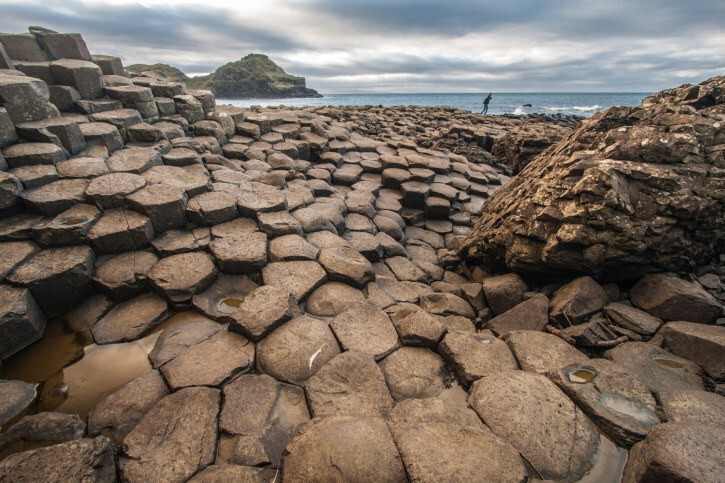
224, 274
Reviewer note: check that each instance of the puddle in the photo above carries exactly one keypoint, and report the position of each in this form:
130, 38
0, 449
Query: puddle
290, 410
581, 376
669, 363
627, 407
609, 465
454, 394
229, 305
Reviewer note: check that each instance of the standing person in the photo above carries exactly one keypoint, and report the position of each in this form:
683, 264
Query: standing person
485, 103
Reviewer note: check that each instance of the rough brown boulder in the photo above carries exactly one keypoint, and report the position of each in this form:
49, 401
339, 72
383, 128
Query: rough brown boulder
636, 187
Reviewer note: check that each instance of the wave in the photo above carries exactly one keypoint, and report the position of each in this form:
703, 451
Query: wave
595, 107
519, 111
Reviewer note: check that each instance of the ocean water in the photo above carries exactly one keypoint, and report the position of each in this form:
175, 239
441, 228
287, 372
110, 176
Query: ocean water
581, 104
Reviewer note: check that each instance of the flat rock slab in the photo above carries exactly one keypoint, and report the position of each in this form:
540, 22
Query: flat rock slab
211, 362
212, 208
175, 439
351, 384
531, 314
174, 242
240, 253
121, 230
414, 373
180, 277
133, 160
55, 197
657, 368
58, 277
440, 441
297, 350
67, 228
291, 247
340, 448
702, 344
367, 329
279, 223
224, 296
15, 397
542, 352
262, 311
125, 275
346, 265
178, 338
693, 407
632, 318
671, 298
118, 413
474, 355
130, 320
446, 304
111, 190
405, 270
332, 298
532, 414
82, 460
299, 278
678, 452
613, 397
165, 205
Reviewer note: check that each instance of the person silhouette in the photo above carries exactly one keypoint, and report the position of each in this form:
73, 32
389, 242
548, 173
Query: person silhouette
485, 103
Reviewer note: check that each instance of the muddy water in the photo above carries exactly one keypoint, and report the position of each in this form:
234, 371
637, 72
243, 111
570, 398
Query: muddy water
76, 373
609, 465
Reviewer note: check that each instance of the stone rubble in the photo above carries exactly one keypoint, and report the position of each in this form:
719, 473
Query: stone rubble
345, 328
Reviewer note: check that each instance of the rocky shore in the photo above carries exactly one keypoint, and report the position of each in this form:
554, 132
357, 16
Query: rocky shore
352, 293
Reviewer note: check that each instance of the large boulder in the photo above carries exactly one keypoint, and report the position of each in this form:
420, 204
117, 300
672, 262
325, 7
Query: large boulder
635, 187
670, 298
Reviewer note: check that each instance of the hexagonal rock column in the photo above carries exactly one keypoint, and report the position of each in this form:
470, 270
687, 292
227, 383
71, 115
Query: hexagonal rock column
82, 75
120, 230
59, 278
26, 99
21, 320
179, 277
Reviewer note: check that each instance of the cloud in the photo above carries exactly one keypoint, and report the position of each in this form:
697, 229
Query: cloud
411, 45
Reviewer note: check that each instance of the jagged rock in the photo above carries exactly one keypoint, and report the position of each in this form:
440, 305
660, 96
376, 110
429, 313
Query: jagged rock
504, 292
588, 206
419, 328
632, 319
179, 277
531, 314
68, 228
366, 329
56, 197
439, 441
678, 452
211, 362
83, 460
671, 298
348, 448
414, 372
476, 355
130, 320
657, 368
532, 414
541, 352
164, 205
240, 253
58, 278
299, 278
15, 397
297, 350
118, 413
577, 300
26, 99
175, 439
701, 344
120, 230
333, 298
178, 338
263, 310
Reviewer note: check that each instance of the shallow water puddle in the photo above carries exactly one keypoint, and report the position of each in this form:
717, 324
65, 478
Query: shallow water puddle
454, 394
669, 363
610, 463
229, 305
581, 376
627, 407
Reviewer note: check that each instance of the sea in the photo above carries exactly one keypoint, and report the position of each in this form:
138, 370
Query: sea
580, 103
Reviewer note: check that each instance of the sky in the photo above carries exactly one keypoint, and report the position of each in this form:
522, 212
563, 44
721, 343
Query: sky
349, 46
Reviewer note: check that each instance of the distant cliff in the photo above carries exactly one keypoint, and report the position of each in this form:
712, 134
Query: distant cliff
167, 70
254, 76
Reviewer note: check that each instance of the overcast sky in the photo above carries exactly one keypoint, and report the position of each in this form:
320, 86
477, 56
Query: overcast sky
345, 46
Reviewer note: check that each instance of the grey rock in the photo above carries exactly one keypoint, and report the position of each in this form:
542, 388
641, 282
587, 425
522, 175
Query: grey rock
178, 338
632, 318
15, 397
701, 344
542, 352
419, 328
212, 208
366, 329
414, 372
180, 277
531, 314
111, 190
333, 298
263, 310
125, 275
130, 320
504, 292
671, 298
291, 247
693, 407
68, 228
240, 253
120, 230
82, 75
299, 278
56, 197
164, 205
224, 296
473, 356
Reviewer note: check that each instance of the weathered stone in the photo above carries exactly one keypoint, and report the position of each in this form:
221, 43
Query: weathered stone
446, 304
212, 208
279, 223
174, 242
58, 277
241, 253
120, 230
613, 397
528, 411
542, 352
15, 397
441, 441
164, 205
351, 384
61, 131
366, 244
26, 99
657, 368
82, 168
123, 276
130, 320
118, 413
30, 154
299, 278
531, 314
366, 329
346, 265
504, 292
133, 160
82, 75
414, 372
224, 296
671, 298
44, 429
297, 350
82, 460
262, 311
419, 328
345, 448
175, 439
333, 298
701, 344
55, 197
576, 301
678, 452
632, 319
476, 355
291, 247
211, 362
111, 190
245, 474
179, 277
405, 270
693, 407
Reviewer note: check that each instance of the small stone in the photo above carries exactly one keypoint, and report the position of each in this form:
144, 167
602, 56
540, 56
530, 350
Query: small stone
419, 328
164, 205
